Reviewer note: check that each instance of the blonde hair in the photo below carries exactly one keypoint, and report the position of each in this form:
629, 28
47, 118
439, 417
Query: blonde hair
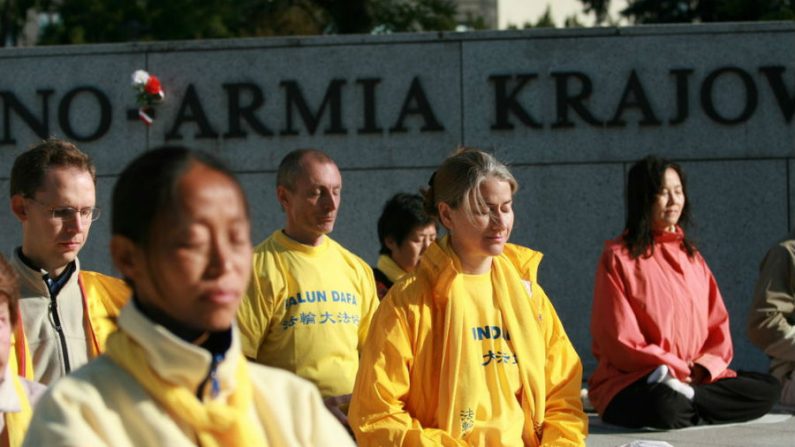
457, 181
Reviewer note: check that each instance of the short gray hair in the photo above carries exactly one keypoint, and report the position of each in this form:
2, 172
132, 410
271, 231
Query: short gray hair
291, 165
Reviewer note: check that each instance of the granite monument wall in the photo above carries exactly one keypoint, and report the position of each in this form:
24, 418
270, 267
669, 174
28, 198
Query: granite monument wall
570, 110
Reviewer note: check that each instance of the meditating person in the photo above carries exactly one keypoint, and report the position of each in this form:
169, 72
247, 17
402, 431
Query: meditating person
65, 311
174, 373
17, 394
659, 328
771, 321
310, 301
468, 350
405, 231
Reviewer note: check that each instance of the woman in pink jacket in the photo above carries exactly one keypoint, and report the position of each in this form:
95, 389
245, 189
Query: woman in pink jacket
659, 327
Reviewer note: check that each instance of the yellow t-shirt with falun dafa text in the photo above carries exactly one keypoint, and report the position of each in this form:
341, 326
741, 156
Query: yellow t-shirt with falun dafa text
497, 418
308, 310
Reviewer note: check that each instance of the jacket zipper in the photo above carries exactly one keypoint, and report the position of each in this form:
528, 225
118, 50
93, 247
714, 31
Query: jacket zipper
56, 320
212, 378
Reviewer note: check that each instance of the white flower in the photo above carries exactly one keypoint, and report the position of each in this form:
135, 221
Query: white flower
139, 78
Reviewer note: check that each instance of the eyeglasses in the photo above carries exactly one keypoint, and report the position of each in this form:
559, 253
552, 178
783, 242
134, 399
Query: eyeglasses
68, 214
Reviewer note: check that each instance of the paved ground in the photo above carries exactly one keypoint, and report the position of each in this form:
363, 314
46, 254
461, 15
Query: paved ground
776, 429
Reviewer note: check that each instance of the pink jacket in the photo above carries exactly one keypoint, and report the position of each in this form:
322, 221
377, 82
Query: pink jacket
664, 309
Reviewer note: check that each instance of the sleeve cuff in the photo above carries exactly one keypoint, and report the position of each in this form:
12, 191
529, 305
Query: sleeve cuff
714, 364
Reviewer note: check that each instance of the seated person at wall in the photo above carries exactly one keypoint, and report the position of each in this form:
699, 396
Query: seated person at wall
309, 305
469, 350
174, 374
659, 328
405, 231
771, 323
17, 394
66, 313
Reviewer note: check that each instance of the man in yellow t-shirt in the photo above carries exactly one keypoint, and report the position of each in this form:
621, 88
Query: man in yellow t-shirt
310, 301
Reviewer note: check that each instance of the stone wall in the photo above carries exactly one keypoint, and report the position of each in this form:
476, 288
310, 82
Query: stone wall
570, 110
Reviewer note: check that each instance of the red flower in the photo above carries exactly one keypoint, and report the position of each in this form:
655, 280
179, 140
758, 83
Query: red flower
152, 85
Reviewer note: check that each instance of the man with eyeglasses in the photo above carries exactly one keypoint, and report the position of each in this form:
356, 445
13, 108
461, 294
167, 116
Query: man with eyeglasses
66, 313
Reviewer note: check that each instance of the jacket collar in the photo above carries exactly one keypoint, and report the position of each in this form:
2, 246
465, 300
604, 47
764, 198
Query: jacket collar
174, 359
441, 265
390, 268
31, 280
667, 236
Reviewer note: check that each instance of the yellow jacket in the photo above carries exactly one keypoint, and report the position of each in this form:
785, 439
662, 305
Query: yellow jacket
101, 404
411, 375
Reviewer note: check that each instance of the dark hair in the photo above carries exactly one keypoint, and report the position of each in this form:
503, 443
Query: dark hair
401, 214
457, 181
148, 186
29, 169
9, 288
643, 184
291, 165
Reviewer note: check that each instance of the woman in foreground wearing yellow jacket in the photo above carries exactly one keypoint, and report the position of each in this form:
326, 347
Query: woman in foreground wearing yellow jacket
468, 350
174, 373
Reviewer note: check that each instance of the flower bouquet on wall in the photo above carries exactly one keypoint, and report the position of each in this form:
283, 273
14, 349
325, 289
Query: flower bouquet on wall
149, 93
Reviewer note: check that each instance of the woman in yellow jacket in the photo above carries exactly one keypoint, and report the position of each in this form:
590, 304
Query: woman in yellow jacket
174, 373
468, 350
